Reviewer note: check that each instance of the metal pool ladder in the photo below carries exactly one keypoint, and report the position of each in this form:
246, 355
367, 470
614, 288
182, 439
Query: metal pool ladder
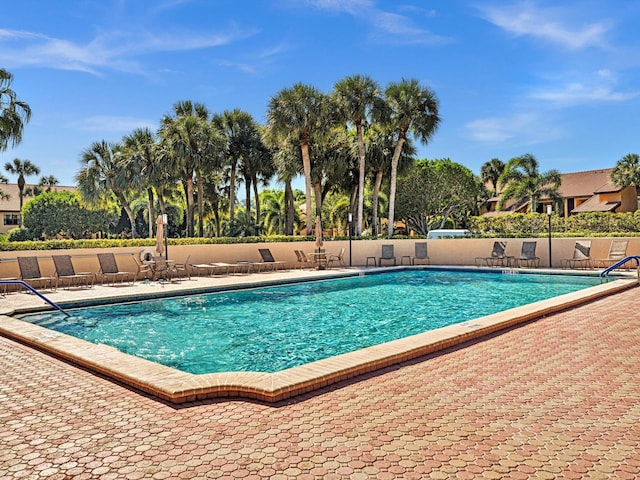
35, 292
606, 271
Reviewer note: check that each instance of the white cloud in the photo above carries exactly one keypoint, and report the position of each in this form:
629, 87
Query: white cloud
112, 124
521, 128
597, 87
551, 24
108, 51
388, 25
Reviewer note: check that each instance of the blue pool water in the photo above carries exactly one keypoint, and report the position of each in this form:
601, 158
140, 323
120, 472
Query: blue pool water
274, 328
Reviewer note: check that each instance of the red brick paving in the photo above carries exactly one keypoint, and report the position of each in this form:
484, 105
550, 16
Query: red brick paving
558, 398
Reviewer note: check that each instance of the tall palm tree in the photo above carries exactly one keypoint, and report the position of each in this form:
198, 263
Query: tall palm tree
490, 172
296, 113
141, 148
238, 131
380, 145
627, 171
104, 174
357, 96
188, 135
413, 109
523, 182
22, 169
13, 113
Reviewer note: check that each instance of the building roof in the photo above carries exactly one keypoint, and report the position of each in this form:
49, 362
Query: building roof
12, 204
585, 184
594, 204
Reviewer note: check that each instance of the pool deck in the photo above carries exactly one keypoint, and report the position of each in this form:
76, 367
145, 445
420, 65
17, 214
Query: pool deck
558, 397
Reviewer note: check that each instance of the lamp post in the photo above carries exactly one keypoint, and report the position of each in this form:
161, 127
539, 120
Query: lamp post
350, 218
165, 225
549, 212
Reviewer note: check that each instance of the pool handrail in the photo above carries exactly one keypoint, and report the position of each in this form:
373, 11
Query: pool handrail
34, 291
619, 263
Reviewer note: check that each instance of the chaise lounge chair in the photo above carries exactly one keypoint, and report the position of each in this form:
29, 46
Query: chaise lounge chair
617, 251
268, 260
497, 258
581, 256
528, 256
387, 254
30, 272
65, 272
109, 268
420, 253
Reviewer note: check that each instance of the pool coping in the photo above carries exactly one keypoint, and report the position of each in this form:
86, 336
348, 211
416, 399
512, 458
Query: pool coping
179, 387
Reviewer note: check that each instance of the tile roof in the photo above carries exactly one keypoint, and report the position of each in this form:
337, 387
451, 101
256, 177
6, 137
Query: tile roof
12, 204
585, 184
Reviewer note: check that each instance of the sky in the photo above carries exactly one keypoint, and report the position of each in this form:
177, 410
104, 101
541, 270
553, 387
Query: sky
556, 79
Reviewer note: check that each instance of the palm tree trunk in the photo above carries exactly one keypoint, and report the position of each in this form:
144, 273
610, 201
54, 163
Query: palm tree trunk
188, 188
289, 205
361, 172
247, 193
232, 192
317, 194
254, 181
306, 165
375, 202
394, 179
129, 212
200, 203
152, 212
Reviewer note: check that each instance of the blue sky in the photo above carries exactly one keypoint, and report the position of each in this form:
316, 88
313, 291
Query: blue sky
558, 79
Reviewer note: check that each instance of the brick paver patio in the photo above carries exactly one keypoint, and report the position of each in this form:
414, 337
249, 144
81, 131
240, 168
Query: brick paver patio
557, 398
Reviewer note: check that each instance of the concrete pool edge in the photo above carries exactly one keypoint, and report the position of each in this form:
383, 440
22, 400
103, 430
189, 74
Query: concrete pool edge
179, 387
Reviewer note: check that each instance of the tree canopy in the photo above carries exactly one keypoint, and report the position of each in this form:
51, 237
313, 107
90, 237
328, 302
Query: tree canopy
434, 193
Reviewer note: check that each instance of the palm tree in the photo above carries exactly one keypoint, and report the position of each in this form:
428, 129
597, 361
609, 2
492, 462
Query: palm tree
190, 139
238, 131
48, 181
296, 113
627, 171
358, 96
22, 169
380, 144
104, 173
3, 195
412, 109
13, 113
140, 148
490, 172
523, 182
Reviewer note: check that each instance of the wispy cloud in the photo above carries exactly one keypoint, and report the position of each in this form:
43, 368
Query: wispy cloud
521, 128
391, 26
112, 124
555, 25
107, 51
598, 87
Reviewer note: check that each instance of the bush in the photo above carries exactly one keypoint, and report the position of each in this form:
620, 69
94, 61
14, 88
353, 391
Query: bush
19, 235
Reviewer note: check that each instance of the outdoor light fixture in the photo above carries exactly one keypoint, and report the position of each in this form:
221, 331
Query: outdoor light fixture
350, 218
549, 212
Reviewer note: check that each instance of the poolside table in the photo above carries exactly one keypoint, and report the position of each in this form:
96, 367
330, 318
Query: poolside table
320, 259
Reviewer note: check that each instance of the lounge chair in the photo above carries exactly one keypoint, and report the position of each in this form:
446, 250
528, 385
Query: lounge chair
109, 268
497, 258
581, 256
617, 251
336, 258
420, 253
387, 254
268, 260
528, 256
30, 273
65, 272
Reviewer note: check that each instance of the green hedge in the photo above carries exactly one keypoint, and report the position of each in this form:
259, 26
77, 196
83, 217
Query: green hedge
596, 224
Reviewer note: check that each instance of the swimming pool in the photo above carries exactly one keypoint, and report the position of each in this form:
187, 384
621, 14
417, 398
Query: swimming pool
275, 328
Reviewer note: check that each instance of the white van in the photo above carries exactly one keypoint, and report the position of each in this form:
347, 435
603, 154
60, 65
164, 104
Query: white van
432, 234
